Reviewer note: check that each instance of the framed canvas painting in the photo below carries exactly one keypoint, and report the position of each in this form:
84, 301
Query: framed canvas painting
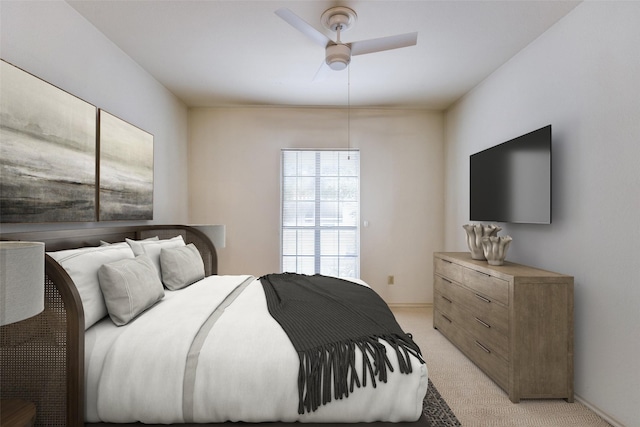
126, 170
47, 151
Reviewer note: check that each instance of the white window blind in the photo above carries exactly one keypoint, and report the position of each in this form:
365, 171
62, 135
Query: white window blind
320, 206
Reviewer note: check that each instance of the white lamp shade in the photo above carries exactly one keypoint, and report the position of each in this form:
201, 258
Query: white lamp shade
21, 280
216, 233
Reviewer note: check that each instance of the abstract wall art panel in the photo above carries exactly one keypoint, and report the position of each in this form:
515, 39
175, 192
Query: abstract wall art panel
47, 151
126, 170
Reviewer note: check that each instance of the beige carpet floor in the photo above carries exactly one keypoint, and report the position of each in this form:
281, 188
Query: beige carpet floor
473, 397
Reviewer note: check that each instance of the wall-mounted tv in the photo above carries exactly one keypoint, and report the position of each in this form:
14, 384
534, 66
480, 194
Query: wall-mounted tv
511, 182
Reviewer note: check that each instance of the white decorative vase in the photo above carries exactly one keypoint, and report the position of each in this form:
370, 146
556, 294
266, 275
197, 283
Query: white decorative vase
475, 233
495, 248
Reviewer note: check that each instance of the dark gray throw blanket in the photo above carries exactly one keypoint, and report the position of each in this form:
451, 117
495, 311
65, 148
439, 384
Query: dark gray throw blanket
326, 319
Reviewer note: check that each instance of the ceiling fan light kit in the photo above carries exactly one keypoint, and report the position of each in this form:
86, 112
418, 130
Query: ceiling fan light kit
338, 56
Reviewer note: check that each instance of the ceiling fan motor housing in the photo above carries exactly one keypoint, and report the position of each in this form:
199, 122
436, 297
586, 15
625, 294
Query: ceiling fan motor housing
338, 56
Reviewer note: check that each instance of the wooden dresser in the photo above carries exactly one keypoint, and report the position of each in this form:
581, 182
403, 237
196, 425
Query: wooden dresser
514, 322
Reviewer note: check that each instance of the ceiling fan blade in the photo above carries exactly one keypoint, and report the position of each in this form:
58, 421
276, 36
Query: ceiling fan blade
322, 73
301, 25
384, 43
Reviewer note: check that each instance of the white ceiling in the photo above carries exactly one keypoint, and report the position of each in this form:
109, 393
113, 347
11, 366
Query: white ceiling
219, 53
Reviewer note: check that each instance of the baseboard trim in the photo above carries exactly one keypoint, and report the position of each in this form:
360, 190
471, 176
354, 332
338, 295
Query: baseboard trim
599, 412
410, 305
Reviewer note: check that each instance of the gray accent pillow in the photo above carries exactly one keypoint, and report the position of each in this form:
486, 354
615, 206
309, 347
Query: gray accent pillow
129, 286
181, 266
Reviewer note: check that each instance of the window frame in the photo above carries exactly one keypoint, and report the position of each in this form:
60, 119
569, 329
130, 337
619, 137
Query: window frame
319, 229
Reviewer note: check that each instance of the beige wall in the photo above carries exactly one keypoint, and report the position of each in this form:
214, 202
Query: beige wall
234, 180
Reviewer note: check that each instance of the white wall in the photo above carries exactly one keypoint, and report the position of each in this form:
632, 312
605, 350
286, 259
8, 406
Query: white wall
583, 77
52, 41
234, 180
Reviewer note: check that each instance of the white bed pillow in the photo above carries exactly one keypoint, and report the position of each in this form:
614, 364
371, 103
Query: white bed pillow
181, 266
152, 249
103, 243
129, 286
82, 266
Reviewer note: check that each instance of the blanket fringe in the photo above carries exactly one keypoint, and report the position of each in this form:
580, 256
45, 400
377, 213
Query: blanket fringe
329, 372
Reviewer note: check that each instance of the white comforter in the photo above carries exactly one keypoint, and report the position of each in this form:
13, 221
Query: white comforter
247, 369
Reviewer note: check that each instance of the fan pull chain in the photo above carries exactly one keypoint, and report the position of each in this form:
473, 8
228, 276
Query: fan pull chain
348, 111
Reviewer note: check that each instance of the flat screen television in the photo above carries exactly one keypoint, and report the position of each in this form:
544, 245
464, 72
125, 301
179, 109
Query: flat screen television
511, 182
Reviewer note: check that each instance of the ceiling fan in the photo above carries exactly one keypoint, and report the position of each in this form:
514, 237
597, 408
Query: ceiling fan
339, 19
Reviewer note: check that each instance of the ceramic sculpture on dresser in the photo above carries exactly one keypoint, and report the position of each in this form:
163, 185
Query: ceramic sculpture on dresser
495, 248
475, 234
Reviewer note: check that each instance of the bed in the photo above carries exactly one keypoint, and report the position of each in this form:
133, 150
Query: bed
95, 367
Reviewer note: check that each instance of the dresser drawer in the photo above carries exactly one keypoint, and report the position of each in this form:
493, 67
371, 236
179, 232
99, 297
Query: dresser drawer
497, 316
478, 351
492, 287
448, 269
445, 288
447, 327
484, 328
489, 362
446, 306
493, 338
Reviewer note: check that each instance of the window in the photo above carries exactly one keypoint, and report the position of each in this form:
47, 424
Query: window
320, 205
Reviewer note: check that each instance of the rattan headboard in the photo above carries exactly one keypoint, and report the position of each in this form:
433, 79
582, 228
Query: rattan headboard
43, 357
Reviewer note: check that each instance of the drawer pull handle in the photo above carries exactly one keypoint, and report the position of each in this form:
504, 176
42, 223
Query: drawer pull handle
486, 350
446, 299
446, 280
486, 325
446, 318
486, 274
447, 261
482, 298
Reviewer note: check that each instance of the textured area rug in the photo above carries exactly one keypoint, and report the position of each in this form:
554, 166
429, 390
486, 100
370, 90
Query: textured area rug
436, 411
